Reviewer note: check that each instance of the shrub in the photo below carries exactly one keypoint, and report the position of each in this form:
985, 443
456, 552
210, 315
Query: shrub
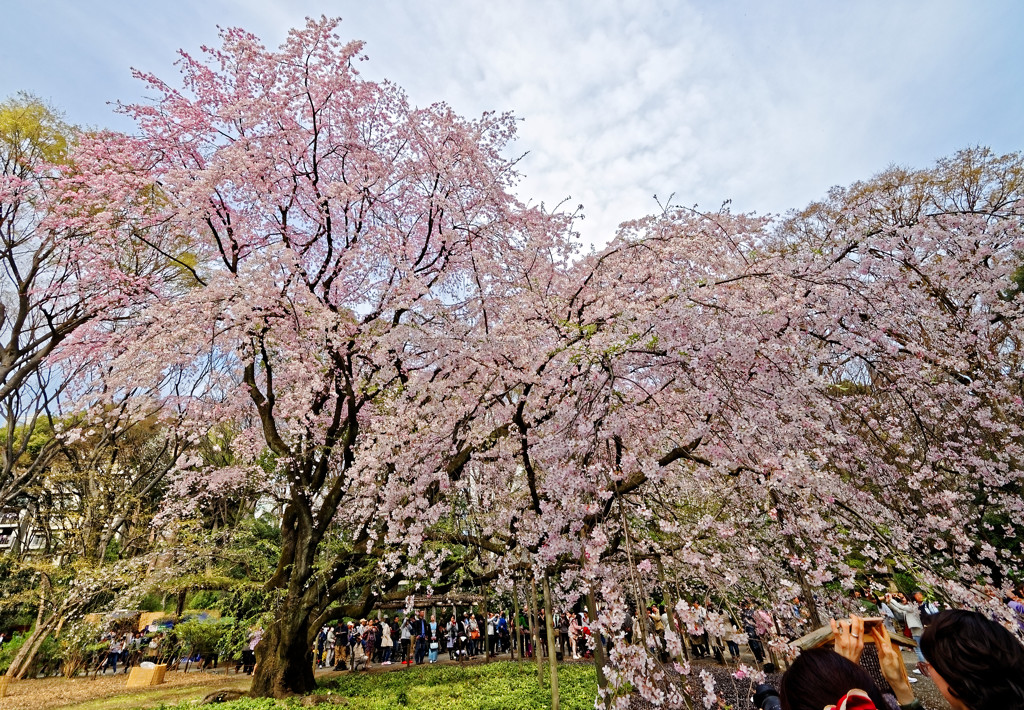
78, 645
202, 637
10, 649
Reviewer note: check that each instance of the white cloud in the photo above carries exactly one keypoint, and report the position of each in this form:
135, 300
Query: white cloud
765, 103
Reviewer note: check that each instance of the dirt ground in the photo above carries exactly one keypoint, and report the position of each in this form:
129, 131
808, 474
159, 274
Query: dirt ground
108, 692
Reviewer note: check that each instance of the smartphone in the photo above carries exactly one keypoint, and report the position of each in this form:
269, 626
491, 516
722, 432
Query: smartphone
871, 622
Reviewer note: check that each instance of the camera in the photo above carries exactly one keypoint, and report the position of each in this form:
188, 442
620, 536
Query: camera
766, 697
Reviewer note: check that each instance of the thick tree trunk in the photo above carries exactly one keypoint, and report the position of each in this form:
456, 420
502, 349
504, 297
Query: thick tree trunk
22, 662
284, 658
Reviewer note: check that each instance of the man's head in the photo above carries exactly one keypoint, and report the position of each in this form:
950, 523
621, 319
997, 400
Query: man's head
918, 597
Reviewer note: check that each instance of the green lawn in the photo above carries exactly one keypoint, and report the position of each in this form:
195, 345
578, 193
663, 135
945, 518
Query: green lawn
492, 686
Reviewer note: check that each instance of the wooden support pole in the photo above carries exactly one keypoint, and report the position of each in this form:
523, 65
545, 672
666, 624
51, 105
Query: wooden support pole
599, 662
550, 629
518, 641
534, 631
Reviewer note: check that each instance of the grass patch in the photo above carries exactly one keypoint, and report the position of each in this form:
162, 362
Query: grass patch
492, 686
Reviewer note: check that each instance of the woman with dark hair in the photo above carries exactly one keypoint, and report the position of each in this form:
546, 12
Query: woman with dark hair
975, 662
821, 678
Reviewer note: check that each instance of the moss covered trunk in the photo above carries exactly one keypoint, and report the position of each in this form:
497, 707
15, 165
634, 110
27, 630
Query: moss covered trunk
284, 658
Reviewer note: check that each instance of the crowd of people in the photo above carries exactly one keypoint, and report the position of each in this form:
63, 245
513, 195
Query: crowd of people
127, 648
693, 629
130, 648
415, 639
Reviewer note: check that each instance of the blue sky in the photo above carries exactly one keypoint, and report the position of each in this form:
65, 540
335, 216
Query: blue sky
764, 103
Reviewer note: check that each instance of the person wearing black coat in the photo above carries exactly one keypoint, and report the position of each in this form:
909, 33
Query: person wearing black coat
420, 632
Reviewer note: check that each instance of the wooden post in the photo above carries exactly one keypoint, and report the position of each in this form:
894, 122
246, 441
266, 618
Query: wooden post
550, 628
602, 679
533, 631
684, 636
483, 632
518, 640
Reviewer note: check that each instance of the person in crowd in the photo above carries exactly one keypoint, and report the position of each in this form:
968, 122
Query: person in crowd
860, 605
355, 638
911, 617
340, 660
849, 637
749, 626
396, 637
575, 633
358, 655
420, 648
113, 653
434, 645
697, 632
320, 645
503, 634
370, 641
133, 652
564, 621
975, 662
453, 639
821, 678
433, 629
420, 633
926, 608
523, 623
665, 621
386, 643
153, 646
492, 634
472, 632
249, 652
888, 617
329, 645
406, 639
583, 645
730, 638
